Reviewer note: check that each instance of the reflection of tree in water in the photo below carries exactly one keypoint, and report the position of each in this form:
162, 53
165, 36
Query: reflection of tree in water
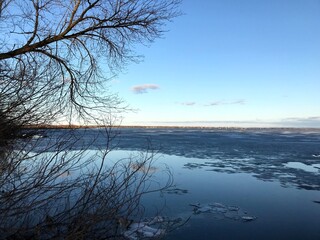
65, 194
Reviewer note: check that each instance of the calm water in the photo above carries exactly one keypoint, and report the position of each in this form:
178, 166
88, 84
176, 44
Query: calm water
272, 175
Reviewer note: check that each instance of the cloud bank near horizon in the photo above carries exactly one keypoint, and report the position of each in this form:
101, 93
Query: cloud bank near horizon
308, 122
144, 88
312, 122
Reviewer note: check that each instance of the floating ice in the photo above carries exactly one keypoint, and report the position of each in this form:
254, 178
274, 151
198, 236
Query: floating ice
248, 218
154, 228
314, 168
142, 230
222, 211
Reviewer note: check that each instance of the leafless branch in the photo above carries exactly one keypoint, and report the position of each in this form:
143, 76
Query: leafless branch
51, 55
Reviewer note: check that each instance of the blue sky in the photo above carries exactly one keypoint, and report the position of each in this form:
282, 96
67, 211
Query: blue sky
236, 63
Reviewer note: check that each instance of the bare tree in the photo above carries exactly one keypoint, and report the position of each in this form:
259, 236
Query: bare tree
63, 194
70, 47
56, 57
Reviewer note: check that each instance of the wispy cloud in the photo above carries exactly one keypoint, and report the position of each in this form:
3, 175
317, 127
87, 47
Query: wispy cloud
240, 102
216, 103
187, 103
144, 88
219, 103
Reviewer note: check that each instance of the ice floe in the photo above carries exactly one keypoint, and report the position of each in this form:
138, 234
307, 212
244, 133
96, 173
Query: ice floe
313, 168
142, 230
156, 227
222, 211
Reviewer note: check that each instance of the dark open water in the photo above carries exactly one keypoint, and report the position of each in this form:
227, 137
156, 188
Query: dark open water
271, 175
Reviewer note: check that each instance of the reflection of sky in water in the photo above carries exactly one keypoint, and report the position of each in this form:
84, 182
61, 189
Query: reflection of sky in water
283, 213
273, 175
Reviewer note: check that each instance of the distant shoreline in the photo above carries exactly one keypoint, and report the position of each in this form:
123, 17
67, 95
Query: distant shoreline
166, 127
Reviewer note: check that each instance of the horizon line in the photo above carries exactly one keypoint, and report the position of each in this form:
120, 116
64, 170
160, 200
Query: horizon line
76, 126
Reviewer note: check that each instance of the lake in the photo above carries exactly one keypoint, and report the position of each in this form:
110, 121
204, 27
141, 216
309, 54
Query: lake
229, 184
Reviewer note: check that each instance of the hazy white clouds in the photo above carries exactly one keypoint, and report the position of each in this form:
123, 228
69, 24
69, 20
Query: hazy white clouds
219, 103
187, 103
240, 102
310, 122
144, 88
212, 104
307, 122
314, 118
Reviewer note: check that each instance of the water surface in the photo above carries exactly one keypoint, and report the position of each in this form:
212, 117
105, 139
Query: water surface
273, 175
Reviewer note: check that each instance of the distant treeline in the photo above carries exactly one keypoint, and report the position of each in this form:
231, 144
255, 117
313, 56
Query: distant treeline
72, 126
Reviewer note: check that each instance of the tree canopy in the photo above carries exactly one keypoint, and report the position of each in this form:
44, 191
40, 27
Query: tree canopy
55, 55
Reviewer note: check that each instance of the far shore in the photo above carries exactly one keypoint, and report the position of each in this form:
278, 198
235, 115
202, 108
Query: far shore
167, 127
